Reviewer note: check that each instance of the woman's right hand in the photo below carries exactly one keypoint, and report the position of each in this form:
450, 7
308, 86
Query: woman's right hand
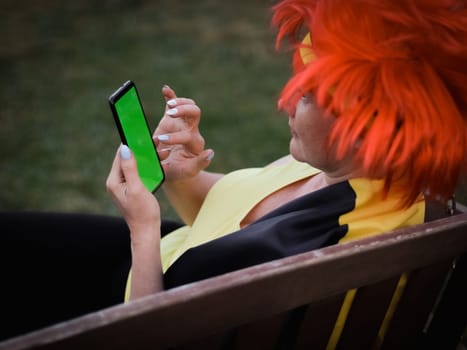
178, 140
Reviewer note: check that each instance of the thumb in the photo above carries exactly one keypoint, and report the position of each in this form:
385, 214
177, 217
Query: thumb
129, 167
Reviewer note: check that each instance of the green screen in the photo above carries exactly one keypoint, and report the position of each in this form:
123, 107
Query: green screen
138, 138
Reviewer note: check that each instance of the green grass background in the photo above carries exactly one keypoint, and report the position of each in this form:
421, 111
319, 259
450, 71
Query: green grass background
61, 59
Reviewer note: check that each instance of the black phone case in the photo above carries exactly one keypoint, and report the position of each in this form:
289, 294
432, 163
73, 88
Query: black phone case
121, 91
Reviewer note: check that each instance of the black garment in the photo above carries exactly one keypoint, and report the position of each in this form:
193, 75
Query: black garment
306, 223
57, 266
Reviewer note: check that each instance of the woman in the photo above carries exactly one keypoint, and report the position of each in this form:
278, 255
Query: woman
377, 103
377, 111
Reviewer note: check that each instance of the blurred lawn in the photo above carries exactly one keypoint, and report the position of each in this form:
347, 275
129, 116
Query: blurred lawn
60, 60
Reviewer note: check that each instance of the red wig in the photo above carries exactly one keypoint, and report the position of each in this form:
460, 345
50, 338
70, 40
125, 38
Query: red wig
394, 73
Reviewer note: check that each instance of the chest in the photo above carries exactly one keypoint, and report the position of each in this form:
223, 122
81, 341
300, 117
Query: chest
280, 197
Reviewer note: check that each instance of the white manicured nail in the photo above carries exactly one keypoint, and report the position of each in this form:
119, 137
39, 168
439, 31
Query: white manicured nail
172, 111
163, 137
172, 103
210, 156
125, 152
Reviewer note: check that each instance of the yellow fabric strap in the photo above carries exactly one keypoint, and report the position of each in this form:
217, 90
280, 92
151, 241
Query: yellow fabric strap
128, 287
391, 309
347, 305
341, 319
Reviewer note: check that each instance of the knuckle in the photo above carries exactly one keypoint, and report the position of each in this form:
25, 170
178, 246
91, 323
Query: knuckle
201, 140
132, 193
108, 185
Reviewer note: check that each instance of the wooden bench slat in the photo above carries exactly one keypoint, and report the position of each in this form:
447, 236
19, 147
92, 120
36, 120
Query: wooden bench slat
262, 334
452, 310
419, 296
318, 323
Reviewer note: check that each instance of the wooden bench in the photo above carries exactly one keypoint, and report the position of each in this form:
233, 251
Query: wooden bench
294, 302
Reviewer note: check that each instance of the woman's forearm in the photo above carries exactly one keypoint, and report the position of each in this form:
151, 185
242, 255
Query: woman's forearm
146, 269
186, 196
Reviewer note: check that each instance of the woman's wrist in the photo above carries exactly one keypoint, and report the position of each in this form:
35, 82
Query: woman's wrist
144, 235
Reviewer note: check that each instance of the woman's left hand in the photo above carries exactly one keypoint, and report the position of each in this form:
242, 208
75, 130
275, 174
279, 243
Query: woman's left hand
138, 206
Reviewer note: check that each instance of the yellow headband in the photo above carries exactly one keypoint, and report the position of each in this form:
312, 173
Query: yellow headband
306, 53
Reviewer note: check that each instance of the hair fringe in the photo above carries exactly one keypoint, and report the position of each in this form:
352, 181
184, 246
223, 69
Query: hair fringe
398, 75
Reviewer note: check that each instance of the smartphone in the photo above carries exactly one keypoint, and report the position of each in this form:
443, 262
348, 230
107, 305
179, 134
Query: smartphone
134, 132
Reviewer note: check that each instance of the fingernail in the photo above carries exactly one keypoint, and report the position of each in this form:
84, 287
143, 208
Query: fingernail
125, 152
172, 103
167, 86
163, 137
172, 111
210, 156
